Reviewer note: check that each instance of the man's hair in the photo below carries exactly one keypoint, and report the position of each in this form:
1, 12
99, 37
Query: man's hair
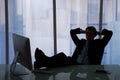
92, 28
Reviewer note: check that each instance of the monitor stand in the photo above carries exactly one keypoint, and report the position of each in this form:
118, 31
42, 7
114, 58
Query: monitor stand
14, 64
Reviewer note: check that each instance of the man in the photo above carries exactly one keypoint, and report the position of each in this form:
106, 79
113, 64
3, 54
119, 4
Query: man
88, 51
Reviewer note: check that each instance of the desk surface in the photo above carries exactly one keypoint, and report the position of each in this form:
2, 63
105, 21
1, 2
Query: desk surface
74, 72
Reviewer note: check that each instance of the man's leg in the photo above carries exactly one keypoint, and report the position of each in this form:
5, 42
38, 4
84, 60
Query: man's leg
59, 60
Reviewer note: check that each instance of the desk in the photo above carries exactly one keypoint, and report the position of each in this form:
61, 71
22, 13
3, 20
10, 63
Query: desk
73, 72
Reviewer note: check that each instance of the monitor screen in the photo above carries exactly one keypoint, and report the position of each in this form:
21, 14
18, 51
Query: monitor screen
22, 46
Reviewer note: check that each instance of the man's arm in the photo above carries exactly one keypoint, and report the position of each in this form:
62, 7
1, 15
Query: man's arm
107, 36
74, 33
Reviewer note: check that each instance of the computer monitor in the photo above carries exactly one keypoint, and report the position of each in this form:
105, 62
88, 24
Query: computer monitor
22, 52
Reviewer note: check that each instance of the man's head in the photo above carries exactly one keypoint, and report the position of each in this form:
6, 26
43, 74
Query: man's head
90, 33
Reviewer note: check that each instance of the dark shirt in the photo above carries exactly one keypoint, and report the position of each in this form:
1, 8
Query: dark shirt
95, 48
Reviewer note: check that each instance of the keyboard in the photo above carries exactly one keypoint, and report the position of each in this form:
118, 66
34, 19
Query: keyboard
45, 71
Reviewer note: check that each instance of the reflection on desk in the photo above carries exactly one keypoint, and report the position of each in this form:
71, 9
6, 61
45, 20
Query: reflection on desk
74, 72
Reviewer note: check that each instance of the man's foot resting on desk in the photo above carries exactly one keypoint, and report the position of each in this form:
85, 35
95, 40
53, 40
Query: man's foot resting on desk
41, 59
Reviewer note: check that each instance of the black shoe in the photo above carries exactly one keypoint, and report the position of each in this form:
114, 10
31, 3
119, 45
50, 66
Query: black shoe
39, 55
41, 60
37, 65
